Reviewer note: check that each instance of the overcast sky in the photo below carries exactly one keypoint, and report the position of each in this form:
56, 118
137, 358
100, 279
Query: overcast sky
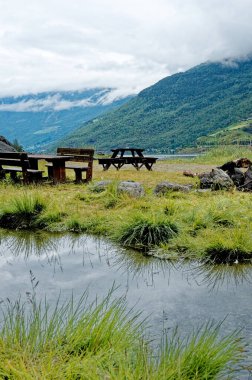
126, 44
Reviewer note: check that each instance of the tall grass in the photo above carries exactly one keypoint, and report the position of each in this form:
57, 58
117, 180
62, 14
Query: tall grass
145, 232
76, 340
197, 356
22, 212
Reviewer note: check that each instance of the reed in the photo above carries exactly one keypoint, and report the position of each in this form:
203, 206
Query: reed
104, 340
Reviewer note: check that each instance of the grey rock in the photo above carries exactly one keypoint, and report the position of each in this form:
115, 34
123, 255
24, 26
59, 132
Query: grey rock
134, 189
101, 186
164, 187
248, 179
237, 177
221, 180
217, 179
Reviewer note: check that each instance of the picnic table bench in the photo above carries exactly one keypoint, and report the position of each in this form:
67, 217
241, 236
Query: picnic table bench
134, 157
81, 161
18, 162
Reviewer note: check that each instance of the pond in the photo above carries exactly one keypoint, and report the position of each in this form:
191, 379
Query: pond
170, 294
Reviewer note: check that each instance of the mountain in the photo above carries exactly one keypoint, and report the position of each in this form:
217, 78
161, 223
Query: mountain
176, 111
38, 120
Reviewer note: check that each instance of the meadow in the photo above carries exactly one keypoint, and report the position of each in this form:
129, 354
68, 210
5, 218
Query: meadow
79, 340
210, 225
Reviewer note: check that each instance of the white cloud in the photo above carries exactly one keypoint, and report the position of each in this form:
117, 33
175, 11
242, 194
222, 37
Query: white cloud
57, 102
60, 45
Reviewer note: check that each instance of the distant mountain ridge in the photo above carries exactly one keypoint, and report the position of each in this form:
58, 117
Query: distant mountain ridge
39, 120
176, 111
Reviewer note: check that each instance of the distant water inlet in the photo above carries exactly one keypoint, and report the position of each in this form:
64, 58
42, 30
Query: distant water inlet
168, 293
176, 156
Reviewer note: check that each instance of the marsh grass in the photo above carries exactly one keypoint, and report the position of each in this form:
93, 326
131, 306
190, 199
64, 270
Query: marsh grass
103, 340
197, 355
22, 213
144, 233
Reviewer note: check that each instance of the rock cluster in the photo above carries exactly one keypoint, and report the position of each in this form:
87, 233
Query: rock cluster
229, 175
217, 179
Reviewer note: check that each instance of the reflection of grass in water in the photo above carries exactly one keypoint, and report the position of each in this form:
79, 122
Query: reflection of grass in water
215, 276
140, 265
25, 243
76, 340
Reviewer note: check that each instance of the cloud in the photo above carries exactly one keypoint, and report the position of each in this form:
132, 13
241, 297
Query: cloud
56, 102
61, 45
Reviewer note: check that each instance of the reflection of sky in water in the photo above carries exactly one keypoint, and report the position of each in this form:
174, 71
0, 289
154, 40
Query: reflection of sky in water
170, 294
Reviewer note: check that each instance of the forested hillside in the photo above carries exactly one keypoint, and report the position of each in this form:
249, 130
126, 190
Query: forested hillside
176, 111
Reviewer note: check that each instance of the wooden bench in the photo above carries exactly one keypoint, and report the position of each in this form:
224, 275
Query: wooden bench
80, 156
14, 163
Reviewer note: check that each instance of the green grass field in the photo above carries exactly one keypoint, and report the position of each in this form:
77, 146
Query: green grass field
104, 341
212, 225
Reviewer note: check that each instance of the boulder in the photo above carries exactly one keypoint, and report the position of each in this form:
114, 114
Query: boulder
164, 187
134, 189
237, 177
248, 179
217, 179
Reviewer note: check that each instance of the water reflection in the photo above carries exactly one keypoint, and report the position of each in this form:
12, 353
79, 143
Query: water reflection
50, 247
26, 243
216, 276
169, 293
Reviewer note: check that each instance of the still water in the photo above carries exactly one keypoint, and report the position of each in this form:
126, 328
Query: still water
170, 294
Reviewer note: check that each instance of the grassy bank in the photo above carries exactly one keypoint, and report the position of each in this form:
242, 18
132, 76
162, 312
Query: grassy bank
214, 226
78, 340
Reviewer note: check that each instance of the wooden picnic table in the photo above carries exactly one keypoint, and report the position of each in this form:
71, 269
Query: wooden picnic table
57, 169
127, 156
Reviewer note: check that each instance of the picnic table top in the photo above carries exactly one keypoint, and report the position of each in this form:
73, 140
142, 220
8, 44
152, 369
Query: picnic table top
49, 157
127, 149
119, 152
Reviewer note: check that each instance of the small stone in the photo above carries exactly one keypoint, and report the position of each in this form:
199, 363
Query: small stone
100, 186
164, 187
134, 189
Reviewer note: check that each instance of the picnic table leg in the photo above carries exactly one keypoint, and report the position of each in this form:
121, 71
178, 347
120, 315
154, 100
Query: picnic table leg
135, 164
2, 173
33, 163
57, 172
148, 166
106, 166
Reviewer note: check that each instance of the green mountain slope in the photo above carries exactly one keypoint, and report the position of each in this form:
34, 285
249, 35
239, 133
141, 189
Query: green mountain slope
236, 134
176, 111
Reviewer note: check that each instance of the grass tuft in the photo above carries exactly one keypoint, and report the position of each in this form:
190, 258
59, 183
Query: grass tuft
22, 213
144, 233
79, 340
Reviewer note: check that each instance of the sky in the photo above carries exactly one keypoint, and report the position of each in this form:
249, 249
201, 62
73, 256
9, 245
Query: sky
50, 45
